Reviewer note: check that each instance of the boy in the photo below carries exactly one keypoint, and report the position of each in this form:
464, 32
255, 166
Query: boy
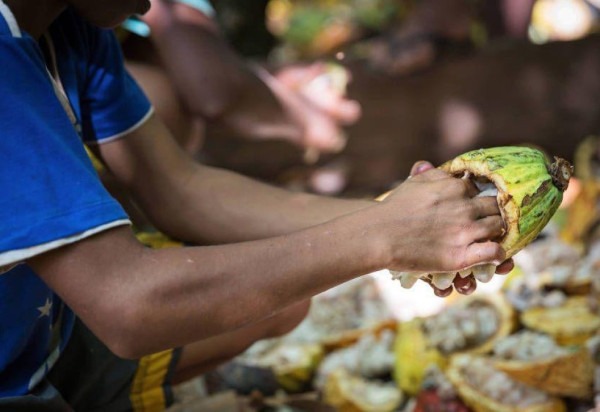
77, 287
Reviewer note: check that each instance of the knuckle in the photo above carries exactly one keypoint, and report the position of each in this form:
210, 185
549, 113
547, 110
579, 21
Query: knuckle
460, 259
494, 227
457, 186
498, 252
464, 235
470, 209
498, 225
491, 205
454, 258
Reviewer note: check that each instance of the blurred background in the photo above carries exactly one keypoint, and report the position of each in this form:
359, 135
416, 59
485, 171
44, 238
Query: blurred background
434, 78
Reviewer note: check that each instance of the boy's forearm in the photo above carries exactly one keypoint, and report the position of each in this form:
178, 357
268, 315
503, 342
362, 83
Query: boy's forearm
225, 207
140, 301
252, 280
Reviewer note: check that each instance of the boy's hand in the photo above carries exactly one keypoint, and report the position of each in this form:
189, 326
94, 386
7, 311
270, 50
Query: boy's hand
445, 228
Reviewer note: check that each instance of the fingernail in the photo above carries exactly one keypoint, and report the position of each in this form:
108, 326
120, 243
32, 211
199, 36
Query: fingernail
467, 289
442, 293
422, 166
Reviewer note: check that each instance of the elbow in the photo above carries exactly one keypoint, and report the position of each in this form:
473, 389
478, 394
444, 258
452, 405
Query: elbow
125, 352
212, 109
216, 109
217, 100
125, 334
126, 346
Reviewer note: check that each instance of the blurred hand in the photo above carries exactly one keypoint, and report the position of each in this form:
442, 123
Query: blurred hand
314, 98
323, 86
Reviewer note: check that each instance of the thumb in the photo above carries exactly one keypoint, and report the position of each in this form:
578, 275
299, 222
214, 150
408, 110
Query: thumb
420, 167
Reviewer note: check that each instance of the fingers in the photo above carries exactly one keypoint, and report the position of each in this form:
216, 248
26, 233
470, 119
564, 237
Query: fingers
472, 190
505, 267
431, 174
419, 167
347, 112
466, 285
296, 76
484, 252
485, 206
440, 293
338, 108
325, 88
488, 228
322, 134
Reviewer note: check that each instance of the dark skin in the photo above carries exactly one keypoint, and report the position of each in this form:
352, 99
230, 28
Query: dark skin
282, 248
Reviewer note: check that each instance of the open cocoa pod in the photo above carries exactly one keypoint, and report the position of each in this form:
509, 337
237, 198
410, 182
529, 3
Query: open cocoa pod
486, 389
342, 315
344, 339
572, 323
351, 393
414, 356
471, 325
584, 214
537, 361
270, 366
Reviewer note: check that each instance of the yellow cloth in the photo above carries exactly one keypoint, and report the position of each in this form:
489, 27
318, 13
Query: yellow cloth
147, 391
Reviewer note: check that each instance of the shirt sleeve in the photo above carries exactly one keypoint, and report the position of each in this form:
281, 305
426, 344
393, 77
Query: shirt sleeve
113, 104
137, 26
51, 194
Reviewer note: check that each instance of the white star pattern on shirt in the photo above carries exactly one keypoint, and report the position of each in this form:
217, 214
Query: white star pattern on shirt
45, 310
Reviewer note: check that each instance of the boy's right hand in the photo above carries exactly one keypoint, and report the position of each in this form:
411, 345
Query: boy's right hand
433, 223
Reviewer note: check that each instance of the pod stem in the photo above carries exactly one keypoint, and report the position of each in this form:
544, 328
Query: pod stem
561, 171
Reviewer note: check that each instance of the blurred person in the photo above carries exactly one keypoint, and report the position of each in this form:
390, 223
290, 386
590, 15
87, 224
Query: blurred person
416, 42
178, 48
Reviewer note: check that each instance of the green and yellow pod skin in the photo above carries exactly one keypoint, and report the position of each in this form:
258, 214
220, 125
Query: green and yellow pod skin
530, 188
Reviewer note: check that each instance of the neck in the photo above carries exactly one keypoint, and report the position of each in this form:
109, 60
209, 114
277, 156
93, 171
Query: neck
35, 16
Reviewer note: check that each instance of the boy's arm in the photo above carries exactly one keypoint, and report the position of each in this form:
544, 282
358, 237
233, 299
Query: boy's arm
139, 300
205, 205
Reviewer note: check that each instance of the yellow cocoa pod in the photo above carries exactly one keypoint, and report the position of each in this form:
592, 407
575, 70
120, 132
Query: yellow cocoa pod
415, 351
569, 324
568, 374
349, 337
478, 397
350, 393
413, 356
293, 364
